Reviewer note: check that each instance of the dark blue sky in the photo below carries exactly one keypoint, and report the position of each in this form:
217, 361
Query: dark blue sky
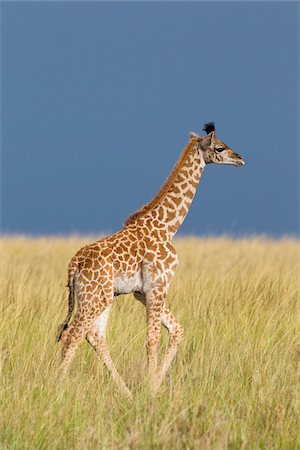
98, 99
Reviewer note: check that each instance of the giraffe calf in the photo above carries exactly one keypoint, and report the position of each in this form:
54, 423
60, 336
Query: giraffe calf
139, 259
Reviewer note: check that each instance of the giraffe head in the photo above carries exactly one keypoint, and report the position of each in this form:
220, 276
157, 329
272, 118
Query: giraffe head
214, 150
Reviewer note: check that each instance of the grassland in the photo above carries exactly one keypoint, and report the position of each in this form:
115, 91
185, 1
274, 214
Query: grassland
233, 385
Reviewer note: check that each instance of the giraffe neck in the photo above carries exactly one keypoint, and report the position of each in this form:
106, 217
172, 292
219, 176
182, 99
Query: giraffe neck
175, 204
172, 203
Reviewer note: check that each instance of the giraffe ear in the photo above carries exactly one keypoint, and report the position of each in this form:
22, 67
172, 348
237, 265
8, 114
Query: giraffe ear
213, 136
206, 142
194, 135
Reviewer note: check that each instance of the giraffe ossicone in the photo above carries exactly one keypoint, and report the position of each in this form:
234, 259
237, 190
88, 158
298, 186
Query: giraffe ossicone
139, 259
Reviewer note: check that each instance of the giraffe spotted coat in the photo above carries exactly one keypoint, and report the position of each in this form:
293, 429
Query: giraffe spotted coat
139, 259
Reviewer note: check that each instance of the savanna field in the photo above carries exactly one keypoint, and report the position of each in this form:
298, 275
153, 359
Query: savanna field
234, 383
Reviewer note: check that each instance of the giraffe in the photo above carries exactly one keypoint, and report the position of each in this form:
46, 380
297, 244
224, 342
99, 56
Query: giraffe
139, 259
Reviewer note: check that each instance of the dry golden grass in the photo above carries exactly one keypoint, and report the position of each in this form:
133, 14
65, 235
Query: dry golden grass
234, 383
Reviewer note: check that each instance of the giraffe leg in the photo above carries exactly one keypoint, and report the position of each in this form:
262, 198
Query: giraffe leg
97, 339
75, 333
71, 338
154, 308
92, 298
176, 335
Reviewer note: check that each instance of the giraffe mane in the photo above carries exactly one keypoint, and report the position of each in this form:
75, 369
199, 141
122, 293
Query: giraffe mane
209, 127
164, 188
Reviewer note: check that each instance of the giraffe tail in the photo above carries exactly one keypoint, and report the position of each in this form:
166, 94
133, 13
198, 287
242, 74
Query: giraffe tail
71, 302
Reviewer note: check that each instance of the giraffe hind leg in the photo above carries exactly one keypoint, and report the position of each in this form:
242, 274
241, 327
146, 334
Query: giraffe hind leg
97, 339
74, 334
71, 338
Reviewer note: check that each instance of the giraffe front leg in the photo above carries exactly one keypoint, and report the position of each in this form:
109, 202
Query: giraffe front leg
154, 306
176, 335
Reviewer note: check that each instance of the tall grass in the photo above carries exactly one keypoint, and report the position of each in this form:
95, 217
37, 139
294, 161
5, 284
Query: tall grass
234, 383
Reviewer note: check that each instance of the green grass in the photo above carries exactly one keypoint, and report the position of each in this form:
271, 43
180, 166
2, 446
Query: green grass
233, 384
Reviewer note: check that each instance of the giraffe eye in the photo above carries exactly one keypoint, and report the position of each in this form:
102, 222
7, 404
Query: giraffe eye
220, 149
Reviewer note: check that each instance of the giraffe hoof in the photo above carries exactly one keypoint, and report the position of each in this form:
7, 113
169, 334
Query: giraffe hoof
128, 393
153, 386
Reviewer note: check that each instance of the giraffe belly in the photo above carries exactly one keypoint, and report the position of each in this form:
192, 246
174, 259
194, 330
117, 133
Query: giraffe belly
124, 284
